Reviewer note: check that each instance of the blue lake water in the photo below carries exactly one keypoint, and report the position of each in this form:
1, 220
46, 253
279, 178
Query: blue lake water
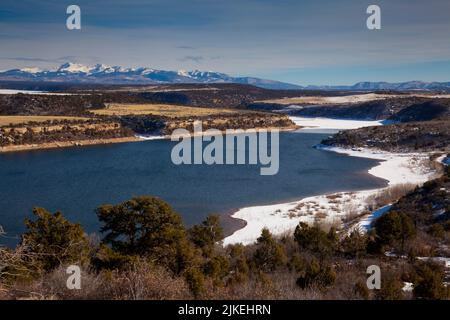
78, 180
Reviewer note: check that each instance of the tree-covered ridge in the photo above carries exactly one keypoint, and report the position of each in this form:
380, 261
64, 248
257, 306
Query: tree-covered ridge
403, 137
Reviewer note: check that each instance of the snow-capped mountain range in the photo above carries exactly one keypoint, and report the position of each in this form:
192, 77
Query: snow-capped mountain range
100, 73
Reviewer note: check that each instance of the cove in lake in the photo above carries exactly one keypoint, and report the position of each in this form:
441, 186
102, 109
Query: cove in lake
78, 180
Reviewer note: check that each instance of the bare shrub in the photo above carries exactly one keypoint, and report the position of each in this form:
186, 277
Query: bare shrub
388, 195
321, 215
18, 263
351, 212
144, 281
334, 196
326, 225
141, 281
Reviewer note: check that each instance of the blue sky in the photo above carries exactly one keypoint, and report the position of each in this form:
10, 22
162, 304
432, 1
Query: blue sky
303, 42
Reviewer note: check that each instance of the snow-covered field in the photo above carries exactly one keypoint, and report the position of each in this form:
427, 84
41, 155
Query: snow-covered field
283, 218
11, 91
353, 98
349, 99
332, 124
331, 100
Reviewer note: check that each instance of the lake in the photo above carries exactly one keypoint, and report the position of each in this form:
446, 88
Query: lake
78, 180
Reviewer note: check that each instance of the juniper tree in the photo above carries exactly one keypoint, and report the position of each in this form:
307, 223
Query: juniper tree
149, 227
394, 227
269, 255
52, 240
207, 233
315, 240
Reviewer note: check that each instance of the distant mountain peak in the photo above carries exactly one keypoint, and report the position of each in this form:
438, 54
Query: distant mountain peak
183, 73
73, 68
30, 70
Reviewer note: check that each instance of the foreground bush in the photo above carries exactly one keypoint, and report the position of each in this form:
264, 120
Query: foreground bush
315, 240
429, 281
392, 228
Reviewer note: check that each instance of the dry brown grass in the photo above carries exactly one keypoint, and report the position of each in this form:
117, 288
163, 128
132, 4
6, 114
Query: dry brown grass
7, 120
351, 212
172, 111
141, 281
334, 196
389, 195
321, 215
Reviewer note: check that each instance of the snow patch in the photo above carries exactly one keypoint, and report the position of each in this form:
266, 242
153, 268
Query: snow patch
333, 124
74, 68
408, 287
365, 224
149, 137
31, 70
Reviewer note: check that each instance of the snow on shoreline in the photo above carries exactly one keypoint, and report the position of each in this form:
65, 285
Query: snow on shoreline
284, 217
150, 137
396, 168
